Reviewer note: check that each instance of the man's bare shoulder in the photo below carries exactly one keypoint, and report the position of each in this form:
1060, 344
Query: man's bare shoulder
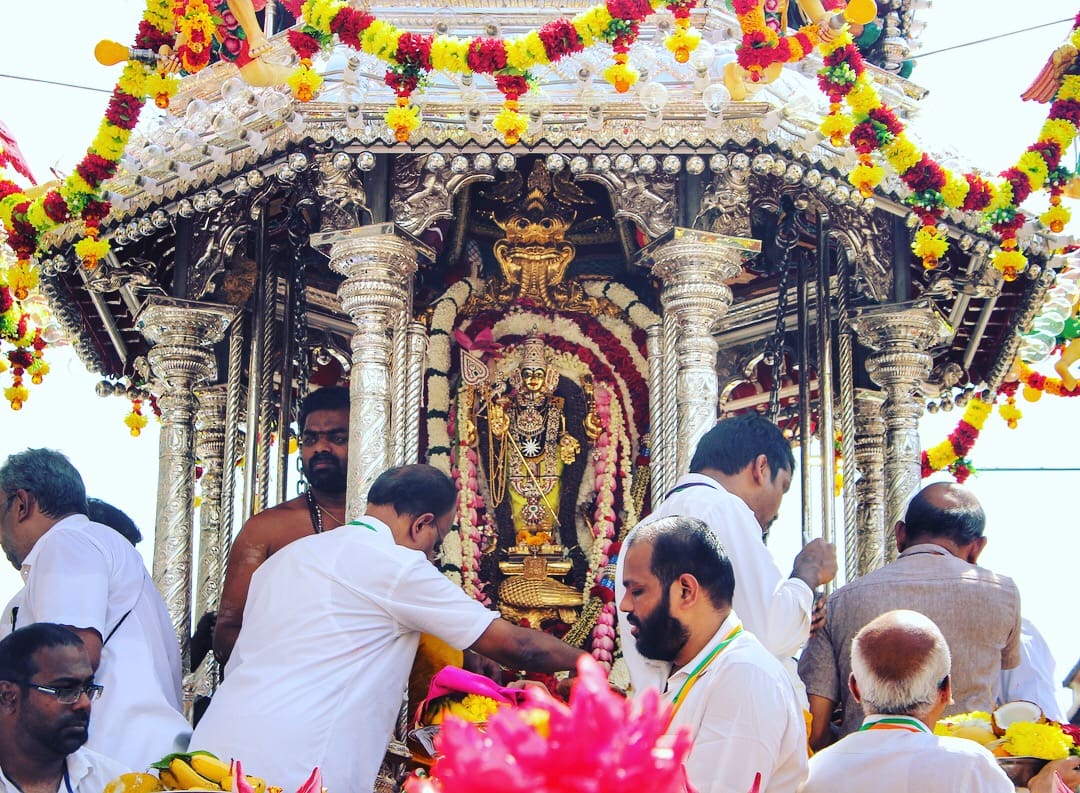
279, 525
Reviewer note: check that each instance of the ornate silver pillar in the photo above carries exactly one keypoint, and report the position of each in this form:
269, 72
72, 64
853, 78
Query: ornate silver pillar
901, 337
378, 263
416, 343
654, 340
870, 487
180, 332
693, 266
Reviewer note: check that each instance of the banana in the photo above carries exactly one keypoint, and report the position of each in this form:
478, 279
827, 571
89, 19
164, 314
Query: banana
258, 784
205, 764
189, 778
134, 783
168, 780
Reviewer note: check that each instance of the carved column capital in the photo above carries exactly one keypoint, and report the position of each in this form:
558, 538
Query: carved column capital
181, 332
902, 338
378, 263
693, 266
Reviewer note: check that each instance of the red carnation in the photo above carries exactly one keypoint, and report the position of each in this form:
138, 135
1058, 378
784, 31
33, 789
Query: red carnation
743, 7
560, 38
55, 207
926, 467
629, 10
887, 118
95, 211
6, 300
1049, 150
304, 44
1021, 187
511, 85
349, 25
978, 195
294, 7
403, 83
8, 188
123, 110
1037, 381
864, 137
414, 49
95, 169
1067, 109
21, 357
150, 38
486, 55
924, 175
602, 592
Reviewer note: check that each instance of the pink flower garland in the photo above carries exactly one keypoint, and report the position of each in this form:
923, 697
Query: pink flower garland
605, 466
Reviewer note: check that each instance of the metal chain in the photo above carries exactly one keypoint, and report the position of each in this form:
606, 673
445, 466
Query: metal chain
301, 357
787, 238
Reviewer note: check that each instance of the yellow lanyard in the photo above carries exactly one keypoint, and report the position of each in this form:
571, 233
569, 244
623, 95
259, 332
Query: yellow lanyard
691, 680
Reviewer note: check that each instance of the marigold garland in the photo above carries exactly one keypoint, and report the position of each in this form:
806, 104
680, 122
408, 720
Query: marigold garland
410, 57
1043, 384
960, 441
873, 129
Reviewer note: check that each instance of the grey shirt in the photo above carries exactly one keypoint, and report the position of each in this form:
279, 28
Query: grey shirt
977, 610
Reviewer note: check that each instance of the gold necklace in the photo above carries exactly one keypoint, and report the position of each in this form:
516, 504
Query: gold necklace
320, 508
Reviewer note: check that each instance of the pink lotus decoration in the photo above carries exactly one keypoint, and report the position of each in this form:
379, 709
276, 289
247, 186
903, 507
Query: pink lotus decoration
600, 741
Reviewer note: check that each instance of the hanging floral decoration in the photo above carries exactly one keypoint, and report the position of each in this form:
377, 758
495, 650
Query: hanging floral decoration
763, 44
876, 132
135, 420
1042, 384
951, 454
411, 57
80, 196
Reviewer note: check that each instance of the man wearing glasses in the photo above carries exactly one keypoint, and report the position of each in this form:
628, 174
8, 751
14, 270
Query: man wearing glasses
324, 462
85, 576
46, 687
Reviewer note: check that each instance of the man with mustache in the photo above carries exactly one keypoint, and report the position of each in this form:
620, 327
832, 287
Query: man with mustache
732, 694
324, 460
46, 687
86, 577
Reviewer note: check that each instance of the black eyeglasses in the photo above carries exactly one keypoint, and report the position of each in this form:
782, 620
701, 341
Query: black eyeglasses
69, 695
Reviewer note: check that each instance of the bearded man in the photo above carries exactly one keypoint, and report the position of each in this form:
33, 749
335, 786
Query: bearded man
732, 694
324, 459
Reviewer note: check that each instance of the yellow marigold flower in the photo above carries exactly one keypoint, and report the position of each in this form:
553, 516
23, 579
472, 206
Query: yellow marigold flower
76, 185
901, 153
940, 457
135, 422
159, 14
510, 124
21, 277
305, 83
525, 52
1070, 87
133, 79
1055, 218
539, 719
35, 215
836, 127
479, 707
8, 204
16, 395
1001, 195
622, 76
1010, 262
91, 251
976, 414
865, 177
928, 245
863, 97
449, 54
158, 85
682, 42
1074, 39
407, 117
1032, 163
591, 24
380, 39
837, 42
110, 141
1045, 741
1058, 130
955, 190
320, 13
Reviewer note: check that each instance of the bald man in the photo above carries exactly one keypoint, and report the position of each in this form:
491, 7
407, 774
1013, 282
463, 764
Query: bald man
900, 674
939, 540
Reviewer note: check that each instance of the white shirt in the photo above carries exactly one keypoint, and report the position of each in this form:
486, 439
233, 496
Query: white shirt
743, 718
775, 608
904, 761
1033, 679
86, 575
317, 676
87, 772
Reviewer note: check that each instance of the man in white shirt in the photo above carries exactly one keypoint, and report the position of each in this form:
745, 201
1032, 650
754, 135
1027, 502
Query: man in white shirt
740, 472
330, 631
46, 687
87, 577
900, 674
1033, 679
731, 694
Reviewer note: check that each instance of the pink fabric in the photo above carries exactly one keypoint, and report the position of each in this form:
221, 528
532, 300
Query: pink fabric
453, 680
1059, 786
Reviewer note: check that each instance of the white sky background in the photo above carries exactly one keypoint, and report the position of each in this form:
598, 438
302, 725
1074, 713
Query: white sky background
973, 106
